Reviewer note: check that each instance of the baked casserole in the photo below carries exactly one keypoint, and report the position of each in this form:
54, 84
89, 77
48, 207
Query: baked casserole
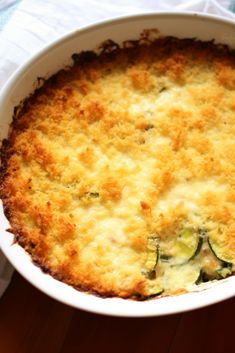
118, 175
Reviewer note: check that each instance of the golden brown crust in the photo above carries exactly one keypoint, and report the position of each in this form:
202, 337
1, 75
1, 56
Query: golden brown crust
97, 154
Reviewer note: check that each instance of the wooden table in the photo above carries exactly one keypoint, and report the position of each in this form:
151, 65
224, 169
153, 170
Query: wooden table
31, 322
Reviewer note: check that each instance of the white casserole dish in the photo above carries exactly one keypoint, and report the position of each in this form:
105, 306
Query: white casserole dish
47, 62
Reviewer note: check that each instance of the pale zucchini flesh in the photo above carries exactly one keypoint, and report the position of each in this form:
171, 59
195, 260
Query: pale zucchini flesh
193, 259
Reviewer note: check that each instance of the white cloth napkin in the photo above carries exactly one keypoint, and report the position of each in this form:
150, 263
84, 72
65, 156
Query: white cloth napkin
35, 23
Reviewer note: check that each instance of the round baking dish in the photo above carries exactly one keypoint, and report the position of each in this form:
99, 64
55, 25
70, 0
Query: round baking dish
49, 61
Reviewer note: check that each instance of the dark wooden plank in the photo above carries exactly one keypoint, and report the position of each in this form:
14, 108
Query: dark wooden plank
89, 332
220, 332
191, 332
16, 318
30, 320
206, 330
48, 333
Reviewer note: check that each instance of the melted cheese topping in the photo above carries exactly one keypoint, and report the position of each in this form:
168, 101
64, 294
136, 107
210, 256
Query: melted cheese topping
122, 148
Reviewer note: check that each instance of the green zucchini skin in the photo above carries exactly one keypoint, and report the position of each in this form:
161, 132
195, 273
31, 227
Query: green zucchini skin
205, 277
155, 292
152, 258
198, 249
199, 280
224, 269
149, 270
165, 258
150, 296
224, 264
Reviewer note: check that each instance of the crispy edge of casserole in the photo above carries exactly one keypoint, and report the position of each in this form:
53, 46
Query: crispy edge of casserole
173, 56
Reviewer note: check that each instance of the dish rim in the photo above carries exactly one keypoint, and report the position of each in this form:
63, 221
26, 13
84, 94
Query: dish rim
96, 306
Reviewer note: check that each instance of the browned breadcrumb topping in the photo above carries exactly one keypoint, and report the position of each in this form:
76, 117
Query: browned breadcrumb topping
124, 145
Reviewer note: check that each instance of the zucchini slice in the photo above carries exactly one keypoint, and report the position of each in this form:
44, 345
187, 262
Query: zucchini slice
154, 290
152, 258
220, 249
206, 276
189, 244
213, 267
226, 270
186, 246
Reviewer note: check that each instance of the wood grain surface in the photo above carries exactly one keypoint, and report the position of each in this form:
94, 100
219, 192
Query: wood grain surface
30, 321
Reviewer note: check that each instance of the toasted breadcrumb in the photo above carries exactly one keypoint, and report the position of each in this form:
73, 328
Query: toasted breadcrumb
134, 143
